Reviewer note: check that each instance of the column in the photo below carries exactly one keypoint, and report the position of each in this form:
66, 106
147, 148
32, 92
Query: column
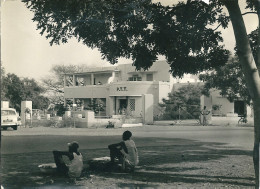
24, 105
65, 81
147, 110
4, 104
92, 79
74, 106
74, 81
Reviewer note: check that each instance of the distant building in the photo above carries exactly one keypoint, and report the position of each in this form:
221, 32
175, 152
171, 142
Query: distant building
222, 107
120, 88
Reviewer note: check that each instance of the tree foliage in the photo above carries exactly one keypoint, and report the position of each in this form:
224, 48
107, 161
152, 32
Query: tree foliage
16, 90
229, 78
97, 105
253, 39
183, 103
54, 83
141, 30
3, 90
13, 90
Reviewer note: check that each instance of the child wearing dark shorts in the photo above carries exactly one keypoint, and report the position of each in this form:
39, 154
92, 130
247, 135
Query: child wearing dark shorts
75, 167
125, 151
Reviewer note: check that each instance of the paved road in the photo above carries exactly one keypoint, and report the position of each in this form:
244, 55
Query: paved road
43, 139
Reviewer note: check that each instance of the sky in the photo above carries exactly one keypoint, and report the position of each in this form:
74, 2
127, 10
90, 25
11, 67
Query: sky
26, 53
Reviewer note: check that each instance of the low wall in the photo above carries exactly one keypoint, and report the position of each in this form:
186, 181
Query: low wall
87, 119
84, 123
229, 120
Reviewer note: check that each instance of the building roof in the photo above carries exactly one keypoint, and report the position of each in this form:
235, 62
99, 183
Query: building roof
95, 70
108, 69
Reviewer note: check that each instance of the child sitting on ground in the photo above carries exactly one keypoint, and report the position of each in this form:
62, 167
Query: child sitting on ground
75, 167
125, 151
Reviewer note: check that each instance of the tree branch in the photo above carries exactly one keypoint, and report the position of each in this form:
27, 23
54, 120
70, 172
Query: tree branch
217, 27
52, 87
248, 13
241, 14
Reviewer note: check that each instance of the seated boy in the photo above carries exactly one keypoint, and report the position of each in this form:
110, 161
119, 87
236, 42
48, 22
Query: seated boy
75, 167
125, 151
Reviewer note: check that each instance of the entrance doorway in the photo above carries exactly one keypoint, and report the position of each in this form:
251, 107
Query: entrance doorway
122, 106
239, 107
122, 103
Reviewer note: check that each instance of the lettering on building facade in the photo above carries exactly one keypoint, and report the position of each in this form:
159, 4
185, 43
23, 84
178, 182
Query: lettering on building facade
121, 89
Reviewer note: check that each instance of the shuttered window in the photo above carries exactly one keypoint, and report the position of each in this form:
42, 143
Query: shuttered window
132, 104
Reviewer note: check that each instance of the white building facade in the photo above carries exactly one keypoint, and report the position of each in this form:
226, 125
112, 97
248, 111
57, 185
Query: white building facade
120, 89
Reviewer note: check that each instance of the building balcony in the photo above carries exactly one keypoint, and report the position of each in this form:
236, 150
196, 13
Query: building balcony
90, 91
122, 88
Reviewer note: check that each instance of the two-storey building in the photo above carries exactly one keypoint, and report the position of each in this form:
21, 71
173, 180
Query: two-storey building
120, 89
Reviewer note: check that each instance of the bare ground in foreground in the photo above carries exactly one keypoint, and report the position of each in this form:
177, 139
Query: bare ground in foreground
164, 163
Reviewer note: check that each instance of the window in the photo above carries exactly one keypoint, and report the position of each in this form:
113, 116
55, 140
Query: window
149, 77
8, 112
116, 74
69, 81
79, 81
135, 78
132, 104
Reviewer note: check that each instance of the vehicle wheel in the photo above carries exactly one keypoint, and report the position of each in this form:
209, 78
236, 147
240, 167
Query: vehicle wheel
14, 127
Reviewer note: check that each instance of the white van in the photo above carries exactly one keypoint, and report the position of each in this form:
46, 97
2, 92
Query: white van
9, 118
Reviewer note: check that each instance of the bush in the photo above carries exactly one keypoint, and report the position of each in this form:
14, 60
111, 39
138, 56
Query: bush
183, 103
68, 122
50, 123
42, 122
60, 109
110, 125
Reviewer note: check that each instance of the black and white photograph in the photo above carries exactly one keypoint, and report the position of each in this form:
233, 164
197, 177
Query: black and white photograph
130, 94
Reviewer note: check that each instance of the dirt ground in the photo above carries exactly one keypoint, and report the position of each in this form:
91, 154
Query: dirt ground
164, 163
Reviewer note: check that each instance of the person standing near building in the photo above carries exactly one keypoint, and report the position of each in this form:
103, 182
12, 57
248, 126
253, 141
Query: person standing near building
204, 114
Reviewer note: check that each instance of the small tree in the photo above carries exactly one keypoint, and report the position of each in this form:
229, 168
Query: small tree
229, 80
54, 83
97, 105
60, 109
185, 100
15, 90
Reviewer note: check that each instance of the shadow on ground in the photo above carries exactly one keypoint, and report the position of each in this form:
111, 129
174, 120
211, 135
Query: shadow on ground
162, 161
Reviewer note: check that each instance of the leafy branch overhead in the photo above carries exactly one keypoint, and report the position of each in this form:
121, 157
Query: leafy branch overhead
141, 30
229, 79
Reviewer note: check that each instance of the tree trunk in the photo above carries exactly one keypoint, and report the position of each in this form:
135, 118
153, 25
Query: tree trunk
250, 71
256, 143
257, 5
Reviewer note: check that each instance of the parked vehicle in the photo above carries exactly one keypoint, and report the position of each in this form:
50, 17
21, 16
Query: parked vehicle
9, 118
